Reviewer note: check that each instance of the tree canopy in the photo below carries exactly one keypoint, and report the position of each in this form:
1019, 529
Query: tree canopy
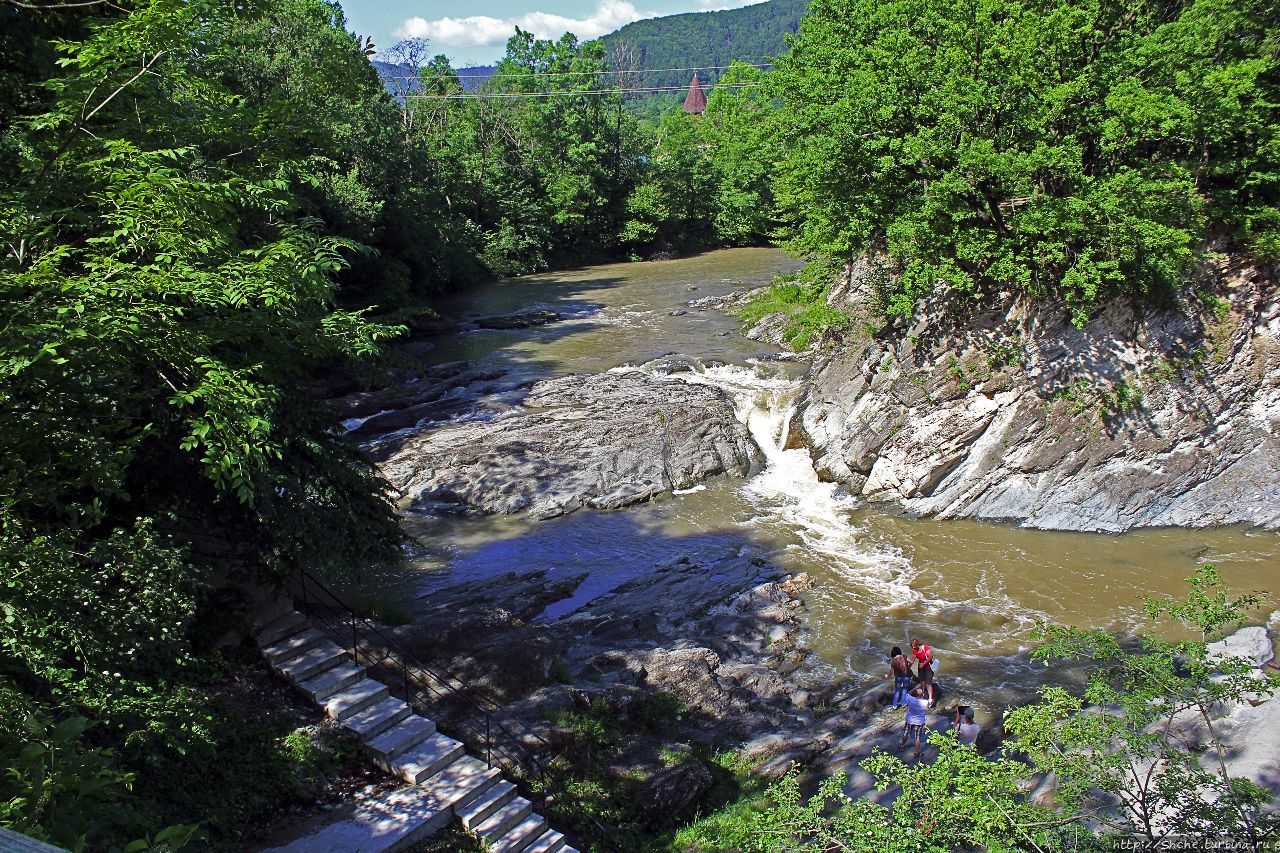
1066, 149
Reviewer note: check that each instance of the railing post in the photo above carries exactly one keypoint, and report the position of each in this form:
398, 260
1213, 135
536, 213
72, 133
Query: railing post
355, 639
488, 748
404, 671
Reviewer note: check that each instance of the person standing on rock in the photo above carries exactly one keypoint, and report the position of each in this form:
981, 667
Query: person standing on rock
917, 717
900, 672
924, 657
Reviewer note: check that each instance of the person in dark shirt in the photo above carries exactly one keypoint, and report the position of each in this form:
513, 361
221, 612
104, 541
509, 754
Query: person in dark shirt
900, 671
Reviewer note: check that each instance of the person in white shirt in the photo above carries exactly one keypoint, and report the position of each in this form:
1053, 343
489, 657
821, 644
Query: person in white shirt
917, 716
966, 729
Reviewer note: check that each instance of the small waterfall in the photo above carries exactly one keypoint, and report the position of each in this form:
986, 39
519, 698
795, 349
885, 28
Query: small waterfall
787, 493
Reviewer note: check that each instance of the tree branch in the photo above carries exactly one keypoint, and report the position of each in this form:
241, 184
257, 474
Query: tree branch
145, 67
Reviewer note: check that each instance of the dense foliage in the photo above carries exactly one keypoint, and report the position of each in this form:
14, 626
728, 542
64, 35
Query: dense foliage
169, 297
1066, 149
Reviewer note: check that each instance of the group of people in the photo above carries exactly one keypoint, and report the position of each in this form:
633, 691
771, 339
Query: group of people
916, 692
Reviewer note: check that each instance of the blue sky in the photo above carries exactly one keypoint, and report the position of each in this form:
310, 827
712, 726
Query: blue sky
475, 32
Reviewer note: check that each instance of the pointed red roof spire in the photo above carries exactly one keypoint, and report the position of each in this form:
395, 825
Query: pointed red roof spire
695, 102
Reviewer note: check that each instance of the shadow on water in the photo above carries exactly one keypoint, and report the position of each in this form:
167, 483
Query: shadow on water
613, 549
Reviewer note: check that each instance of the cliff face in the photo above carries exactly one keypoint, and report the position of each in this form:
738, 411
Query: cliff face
1146, 417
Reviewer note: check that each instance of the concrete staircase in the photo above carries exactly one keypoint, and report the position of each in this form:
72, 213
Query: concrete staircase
443, 784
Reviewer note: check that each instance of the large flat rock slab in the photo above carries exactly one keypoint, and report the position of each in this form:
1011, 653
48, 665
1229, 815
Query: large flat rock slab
601, 441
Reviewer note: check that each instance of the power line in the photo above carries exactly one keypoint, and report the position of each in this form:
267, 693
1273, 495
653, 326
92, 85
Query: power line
582, 73
562, 94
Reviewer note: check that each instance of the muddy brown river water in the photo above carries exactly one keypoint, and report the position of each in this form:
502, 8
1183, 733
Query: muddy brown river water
973, 590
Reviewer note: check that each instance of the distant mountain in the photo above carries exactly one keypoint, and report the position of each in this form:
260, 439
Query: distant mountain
749, 34
695, 39
471, 77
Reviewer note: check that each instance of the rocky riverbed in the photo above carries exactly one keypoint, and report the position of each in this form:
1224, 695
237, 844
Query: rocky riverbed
708, 654
695, 656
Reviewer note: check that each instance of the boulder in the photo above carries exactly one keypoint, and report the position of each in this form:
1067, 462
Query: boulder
1252, 644
689, 675
1250, 738
670, 791
602, 441
519, 319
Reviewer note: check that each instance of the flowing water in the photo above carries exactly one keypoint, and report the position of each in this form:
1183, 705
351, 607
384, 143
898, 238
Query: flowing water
972, 590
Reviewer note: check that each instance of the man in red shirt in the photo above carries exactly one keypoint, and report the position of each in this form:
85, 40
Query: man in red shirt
924, 656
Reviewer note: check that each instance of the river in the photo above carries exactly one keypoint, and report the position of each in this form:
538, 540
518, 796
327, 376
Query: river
972, 590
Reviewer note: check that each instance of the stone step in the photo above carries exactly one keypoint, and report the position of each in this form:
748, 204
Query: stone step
393, 821
400, 738
331, 680
496, 825
462, 782
269, 610
477, 811
312, 662
427, 758
377, 718
355, 698
279, 628
548, 842
292, 646
520, 836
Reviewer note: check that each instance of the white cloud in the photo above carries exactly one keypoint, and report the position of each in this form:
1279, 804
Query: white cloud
722, 5
483, 31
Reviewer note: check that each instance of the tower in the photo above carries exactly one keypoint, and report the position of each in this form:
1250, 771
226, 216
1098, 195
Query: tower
695, 102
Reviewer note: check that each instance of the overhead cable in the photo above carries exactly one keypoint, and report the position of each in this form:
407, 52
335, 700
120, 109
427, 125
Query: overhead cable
583, 73
511, 95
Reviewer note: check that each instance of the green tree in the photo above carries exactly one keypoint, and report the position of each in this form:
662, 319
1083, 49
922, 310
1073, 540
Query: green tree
1070, 150
673, 204
739, 131
168, 304
1120, 751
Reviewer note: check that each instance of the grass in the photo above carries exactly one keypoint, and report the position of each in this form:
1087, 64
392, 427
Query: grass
740, 794
599, 771
808, 313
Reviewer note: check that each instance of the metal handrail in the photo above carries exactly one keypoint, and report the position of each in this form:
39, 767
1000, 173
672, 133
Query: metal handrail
498, 736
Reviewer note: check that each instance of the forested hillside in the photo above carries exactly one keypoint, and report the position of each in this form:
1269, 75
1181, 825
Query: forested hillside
751, 34
472, 77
